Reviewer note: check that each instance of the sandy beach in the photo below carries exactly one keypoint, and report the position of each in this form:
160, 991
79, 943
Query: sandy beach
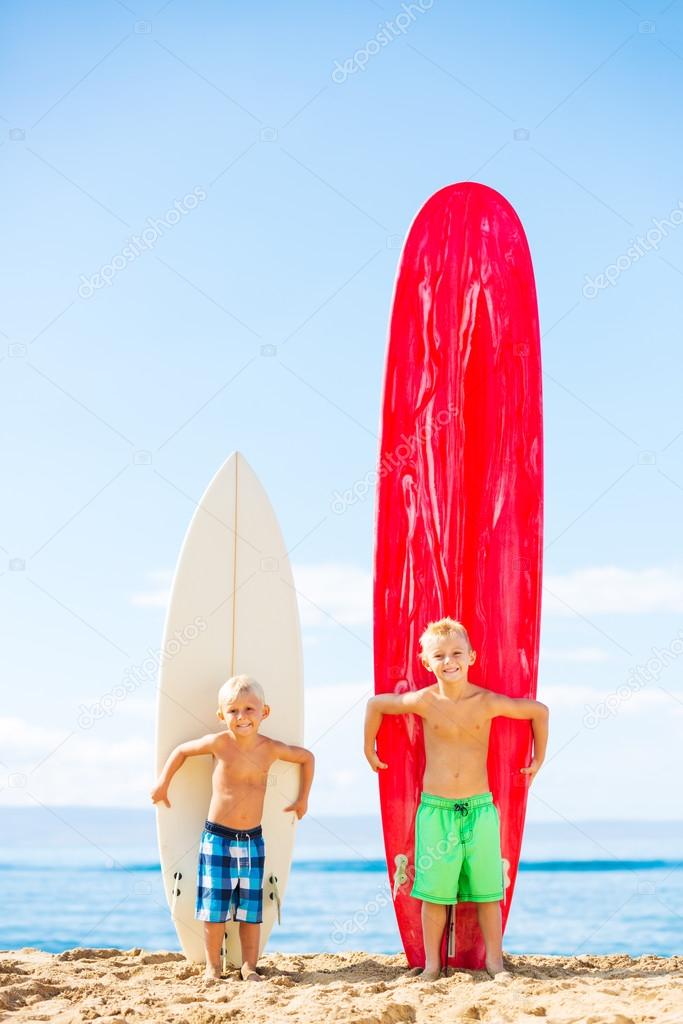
111, 986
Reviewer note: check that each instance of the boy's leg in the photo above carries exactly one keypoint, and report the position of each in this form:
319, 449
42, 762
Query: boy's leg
250, 935
490, 923
213, 937
251, 909
213, 903
438, 860
433, 924
482, 879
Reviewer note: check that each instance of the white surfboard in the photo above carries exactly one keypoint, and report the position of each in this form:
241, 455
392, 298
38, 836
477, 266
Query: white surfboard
232, 610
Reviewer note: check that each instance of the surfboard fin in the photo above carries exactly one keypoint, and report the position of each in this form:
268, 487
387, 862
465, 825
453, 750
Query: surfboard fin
275, 895
176, 892
400, 875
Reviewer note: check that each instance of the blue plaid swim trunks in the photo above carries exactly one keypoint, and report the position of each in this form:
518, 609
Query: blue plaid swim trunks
230, 874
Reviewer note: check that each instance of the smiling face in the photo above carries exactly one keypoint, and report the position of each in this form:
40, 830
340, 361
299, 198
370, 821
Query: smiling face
448, 657
243, 713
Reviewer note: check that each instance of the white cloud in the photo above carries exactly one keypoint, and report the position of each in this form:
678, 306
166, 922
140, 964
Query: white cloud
26, 739
337, 709
136, 708
74, 766
158, 596
583, 655
333, 590
568, 696
608, 589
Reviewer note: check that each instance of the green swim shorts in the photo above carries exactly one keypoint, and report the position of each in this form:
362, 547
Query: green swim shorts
457, 850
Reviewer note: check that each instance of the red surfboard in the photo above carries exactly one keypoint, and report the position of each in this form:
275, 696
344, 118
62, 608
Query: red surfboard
459, 514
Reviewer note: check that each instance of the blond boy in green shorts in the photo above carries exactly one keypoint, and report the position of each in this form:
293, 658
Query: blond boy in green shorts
456, 813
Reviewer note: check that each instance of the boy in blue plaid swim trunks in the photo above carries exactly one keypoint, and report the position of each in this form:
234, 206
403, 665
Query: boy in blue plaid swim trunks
231, 847
457, 829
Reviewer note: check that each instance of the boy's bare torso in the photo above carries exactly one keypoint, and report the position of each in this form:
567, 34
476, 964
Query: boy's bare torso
456, 737
239, 780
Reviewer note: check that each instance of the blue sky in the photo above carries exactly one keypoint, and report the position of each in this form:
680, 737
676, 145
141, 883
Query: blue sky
258, 322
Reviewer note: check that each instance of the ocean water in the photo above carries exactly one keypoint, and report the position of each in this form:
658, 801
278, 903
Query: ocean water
90, 877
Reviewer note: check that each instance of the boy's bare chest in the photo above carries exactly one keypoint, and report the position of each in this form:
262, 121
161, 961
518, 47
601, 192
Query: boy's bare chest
245, 767
463, 723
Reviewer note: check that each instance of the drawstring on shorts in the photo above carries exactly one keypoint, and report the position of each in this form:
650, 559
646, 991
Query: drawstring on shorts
240, 843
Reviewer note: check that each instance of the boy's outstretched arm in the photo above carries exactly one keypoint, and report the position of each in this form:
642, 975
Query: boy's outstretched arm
204, 745
304, 757
386, 704
535, 712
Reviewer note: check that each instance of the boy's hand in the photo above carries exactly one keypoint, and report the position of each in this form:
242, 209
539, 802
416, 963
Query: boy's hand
532, 769
374, 761
160, 793
299, 807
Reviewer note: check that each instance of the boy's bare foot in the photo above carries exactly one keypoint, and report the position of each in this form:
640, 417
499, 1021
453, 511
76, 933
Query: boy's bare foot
430, 974
212, 973
249, 973
497, 971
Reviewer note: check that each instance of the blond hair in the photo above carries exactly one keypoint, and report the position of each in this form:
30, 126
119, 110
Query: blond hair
240, 684
443, 628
